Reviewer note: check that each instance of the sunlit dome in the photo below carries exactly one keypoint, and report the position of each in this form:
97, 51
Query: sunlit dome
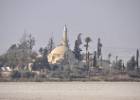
59, 54
60, 50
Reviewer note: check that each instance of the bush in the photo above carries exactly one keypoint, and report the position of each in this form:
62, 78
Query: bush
16, 74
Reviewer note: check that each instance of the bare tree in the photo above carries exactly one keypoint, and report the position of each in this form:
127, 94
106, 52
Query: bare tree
50, 45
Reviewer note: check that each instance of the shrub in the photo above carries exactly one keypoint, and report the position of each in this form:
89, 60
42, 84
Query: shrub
16, 74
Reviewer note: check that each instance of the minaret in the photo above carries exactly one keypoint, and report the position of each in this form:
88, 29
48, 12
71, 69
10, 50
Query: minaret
65, 39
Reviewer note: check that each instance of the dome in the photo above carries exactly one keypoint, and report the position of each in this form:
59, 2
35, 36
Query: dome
60, 50
57, 54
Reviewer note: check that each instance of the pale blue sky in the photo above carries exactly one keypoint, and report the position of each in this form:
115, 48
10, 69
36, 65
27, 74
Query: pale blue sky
116, 22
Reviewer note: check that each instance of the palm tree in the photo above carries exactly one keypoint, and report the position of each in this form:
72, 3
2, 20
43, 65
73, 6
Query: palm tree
87, 40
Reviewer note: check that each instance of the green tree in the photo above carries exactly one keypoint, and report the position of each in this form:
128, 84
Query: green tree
42, 63
131, 64
20, 53
3, 60
25, 49
77, 49
31, 41
41, 51
95, 59
11, 56
120, 64
137, 59
99, 48
109, 57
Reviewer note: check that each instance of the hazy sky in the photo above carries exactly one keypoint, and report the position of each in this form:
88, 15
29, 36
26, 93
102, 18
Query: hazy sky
116, 22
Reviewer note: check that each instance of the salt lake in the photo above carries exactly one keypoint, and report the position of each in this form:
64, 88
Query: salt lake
70, 91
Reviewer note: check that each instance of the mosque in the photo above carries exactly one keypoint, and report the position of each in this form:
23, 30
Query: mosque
62, 53
63, 56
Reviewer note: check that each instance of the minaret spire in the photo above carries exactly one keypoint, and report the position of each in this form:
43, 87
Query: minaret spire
65, 39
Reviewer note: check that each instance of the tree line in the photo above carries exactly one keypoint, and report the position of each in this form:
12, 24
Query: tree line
19, 55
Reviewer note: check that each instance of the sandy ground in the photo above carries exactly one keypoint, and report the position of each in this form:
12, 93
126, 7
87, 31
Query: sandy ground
70, 91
